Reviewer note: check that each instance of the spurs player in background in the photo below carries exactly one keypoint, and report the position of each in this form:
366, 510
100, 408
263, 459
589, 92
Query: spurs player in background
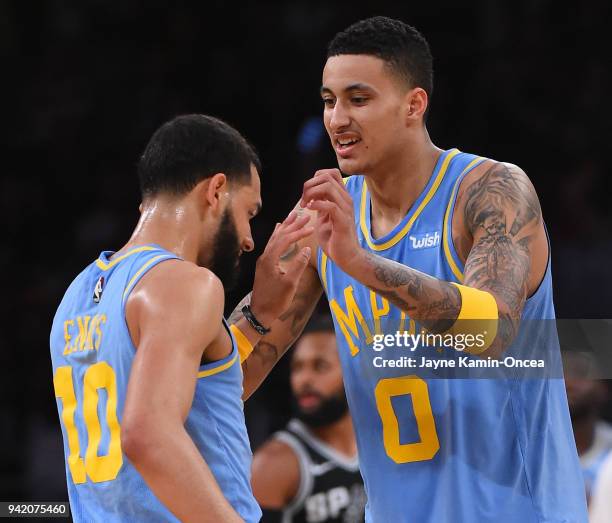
309, 472
424, 238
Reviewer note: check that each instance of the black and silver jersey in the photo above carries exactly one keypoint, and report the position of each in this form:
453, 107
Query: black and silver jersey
331, 488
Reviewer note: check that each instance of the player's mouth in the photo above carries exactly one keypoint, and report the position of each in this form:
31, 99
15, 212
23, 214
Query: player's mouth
346, 145
308, 401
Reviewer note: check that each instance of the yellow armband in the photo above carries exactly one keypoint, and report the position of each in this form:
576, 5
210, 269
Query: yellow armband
244, 345
478, 317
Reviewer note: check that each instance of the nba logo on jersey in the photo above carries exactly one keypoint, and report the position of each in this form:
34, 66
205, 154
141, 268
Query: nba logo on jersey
97, 293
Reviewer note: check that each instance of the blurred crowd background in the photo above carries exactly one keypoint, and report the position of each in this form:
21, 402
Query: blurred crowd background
86, 83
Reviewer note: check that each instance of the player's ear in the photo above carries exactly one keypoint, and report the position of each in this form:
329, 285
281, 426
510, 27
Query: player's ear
214, 191
416, 102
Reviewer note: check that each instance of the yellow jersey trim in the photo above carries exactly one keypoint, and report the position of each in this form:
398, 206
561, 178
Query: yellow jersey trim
245, 347
324, 270
406, 229
112, 263
140, 271
220, 368
448, 237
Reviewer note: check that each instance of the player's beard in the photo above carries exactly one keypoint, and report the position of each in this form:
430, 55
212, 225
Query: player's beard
226, 254
330, 410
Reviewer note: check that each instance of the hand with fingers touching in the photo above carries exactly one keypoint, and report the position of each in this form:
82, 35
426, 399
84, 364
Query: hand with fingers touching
275, 282
335, 224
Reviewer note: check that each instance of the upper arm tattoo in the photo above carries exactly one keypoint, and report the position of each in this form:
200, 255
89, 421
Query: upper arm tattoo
502, 212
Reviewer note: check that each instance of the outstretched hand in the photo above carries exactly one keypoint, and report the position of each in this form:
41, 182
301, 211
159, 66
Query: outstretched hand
275, 282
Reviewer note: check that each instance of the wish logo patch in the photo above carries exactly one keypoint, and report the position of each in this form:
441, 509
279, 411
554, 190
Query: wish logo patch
424, 240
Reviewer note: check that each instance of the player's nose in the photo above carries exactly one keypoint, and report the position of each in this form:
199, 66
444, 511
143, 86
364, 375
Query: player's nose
248, 244
339, 118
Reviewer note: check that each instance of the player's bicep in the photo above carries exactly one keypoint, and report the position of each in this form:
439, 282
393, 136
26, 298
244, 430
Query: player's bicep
502, 213
171, 311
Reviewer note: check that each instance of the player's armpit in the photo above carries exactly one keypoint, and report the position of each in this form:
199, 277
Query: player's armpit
502, 213
275, 475
165, 313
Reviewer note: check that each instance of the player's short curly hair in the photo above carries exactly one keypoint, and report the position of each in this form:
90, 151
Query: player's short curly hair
400, 45
191, 148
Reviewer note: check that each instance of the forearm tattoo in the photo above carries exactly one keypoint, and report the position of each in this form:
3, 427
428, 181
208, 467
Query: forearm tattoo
268, 350
433, 302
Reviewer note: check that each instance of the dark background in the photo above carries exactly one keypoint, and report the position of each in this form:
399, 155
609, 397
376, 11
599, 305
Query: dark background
86, 83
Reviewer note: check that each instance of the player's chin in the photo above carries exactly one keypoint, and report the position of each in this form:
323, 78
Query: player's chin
350, 166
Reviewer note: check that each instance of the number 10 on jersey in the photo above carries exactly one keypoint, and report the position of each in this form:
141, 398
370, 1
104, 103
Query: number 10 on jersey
97, 468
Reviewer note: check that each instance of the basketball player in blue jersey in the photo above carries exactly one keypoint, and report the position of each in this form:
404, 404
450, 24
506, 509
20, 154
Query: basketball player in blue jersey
146, 371
420, 236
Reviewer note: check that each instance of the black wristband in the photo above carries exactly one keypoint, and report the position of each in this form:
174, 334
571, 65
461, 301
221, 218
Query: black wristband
248, 314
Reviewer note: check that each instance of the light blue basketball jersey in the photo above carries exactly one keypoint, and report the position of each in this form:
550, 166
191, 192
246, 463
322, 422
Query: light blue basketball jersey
434, 449
92, 354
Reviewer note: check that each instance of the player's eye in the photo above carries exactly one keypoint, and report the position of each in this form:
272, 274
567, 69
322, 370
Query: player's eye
321, 366
359, 100
328, 102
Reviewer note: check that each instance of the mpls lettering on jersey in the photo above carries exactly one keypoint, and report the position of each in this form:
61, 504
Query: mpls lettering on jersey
351, 319
83, 333
424, 241
353, 324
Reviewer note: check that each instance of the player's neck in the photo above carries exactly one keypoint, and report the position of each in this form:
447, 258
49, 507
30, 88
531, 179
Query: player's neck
396, 185
338, 435
170, 225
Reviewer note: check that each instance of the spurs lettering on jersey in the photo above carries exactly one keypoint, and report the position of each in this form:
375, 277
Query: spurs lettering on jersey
323, 506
